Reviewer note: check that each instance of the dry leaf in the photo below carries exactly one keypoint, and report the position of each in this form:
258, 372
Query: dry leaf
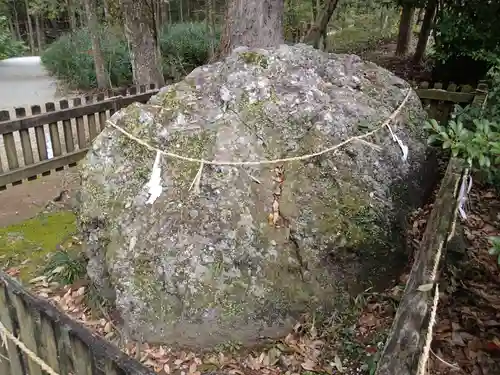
425, 287
192, 368
338, 363
308, 365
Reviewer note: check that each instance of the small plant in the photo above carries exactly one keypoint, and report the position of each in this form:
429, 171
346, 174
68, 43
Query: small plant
480, 147
495, 249
65, 268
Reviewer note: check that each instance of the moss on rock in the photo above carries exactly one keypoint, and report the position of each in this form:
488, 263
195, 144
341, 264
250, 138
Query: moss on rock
255, 58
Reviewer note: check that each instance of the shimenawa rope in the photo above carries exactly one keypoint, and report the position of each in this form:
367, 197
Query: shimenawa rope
5, 334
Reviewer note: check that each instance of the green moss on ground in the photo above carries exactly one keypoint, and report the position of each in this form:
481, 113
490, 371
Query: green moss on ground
28, 244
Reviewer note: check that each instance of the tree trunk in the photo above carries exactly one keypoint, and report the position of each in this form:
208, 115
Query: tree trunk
252, 23
93, 23
404, 36
314, 5
141, 36
16, 24
318, 30
11, 28
107, 16
181, 11
384, 18
425, 31
71, 15
210, 23
39, 34
420, 15
164, 10
31, 38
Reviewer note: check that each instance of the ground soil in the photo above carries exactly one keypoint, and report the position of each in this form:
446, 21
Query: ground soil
21, 202
384, 55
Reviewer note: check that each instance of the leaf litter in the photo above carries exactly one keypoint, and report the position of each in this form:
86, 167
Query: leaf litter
466, 338
338, 344
467, 333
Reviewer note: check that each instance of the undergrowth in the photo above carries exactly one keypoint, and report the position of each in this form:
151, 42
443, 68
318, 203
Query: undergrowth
184, 46
363, 34
65, 267
473, 135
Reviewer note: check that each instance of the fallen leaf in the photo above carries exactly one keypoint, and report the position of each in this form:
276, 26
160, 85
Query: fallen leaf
425, 287
308, 365
338, 363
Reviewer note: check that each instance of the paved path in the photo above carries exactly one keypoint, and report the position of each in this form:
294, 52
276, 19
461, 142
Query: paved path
24, 82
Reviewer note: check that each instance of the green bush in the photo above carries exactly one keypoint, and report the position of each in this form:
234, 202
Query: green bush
495, 248
8, 46
473, 133
70, 59
184, 47
65, 267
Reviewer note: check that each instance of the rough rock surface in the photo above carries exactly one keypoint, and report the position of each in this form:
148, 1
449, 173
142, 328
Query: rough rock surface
249, 248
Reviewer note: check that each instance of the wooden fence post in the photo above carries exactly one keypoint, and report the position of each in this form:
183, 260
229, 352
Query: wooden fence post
480, 95
404, 348
16, 367
9, 144
25, 139
69, 139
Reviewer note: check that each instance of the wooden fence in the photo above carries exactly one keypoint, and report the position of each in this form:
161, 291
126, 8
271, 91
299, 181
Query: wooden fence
66, 346
91, 118
30, 153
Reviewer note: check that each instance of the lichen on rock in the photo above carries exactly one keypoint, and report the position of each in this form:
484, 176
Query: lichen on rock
255, 245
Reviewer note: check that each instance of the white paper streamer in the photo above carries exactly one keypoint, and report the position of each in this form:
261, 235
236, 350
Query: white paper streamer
465, 189
48, 145
154, 183
402, 146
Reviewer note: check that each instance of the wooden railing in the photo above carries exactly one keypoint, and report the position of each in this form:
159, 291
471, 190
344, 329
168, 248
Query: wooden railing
439, 102
22, 163
52, 338
43, 142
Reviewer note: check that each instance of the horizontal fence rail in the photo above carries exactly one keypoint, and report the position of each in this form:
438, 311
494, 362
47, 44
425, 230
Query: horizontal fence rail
43, 142
439, 102
54, 339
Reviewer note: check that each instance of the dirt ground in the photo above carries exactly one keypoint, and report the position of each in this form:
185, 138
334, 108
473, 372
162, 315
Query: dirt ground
24, 201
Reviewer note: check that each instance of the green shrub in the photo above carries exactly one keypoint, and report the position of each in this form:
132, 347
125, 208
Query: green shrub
184, 47
8, 46
65, 267
473, 133
495, 248
70, 59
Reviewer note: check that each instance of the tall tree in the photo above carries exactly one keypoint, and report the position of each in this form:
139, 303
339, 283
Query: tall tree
141, 33
31, 39
40, 33
252, 23
405, 25
93, 24
319, 29
71, 14
425, 30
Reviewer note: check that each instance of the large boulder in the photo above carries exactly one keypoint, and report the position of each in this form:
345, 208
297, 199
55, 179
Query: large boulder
237, 252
